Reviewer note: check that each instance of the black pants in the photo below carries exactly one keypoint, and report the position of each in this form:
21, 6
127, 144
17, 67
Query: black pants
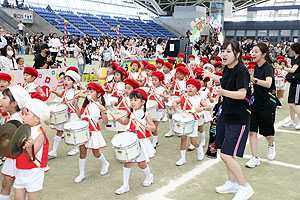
53, 54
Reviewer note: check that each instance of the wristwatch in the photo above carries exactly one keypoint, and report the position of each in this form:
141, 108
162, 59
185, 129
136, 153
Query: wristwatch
255, 81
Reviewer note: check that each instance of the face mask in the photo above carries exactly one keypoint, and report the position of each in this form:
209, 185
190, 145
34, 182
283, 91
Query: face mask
47, 52
10, 53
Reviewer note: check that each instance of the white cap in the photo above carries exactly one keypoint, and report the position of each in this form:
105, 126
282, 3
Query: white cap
39, 108
20, 95
194, 63
209, 65
73, 75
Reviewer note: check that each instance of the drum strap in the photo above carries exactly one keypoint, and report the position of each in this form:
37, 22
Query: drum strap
161, 103
177, 87
123, 100
138, 126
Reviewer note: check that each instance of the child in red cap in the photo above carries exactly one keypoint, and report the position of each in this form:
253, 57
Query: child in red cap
111, 68
30, 74
159, 64
167, 73
4, 83
147, 82
135, 66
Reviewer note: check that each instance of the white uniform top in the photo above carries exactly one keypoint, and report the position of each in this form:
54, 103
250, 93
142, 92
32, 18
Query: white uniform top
168, 78
120, 86
31, 87
16, 116
54, 43
159, 90
94, 112
195, 102
143, 74
8, 64
160, 70
134, 75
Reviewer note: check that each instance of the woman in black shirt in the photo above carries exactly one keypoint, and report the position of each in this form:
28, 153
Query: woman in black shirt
294, 93
233, 118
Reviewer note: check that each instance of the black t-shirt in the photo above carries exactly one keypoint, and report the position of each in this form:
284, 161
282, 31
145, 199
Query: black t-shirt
297, 62
39, 61
264, 98
236, 111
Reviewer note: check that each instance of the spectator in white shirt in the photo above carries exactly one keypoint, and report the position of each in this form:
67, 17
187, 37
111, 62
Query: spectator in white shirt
21, 27
3, 41
8, 60
54, 45
159, 48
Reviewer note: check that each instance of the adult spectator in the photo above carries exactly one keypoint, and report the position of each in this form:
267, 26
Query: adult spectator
54, 45
43, 60
159, 48
124, 49
21, 28
107, 53
79, 53
8, 60
27, 43
3, 41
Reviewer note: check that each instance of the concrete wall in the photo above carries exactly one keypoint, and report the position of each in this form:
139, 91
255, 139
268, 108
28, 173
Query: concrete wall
18, 14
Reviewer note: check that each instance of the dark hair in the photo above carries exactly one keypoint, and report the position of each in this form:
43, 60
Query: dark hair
137, 95
70, 78
8, 93
264, 49
122, 76
19, 58
159, 40
112, 66
86, 101
296, 47
236, 48
4, 51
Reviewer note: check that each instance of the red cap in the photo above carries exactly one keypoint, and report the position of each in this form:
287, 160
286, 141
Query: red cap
160, 60
282, 61
75, 69
132, 82
141, 91
123, 71
252, 63
32, 71
249, 57
205, 60
168, 65
182, 70
198, 70
219, 73
280, 58
136, 62
181, 55
251, 67
145, 62
36, 95
96, 87
151, 67
172, 60
159, 75
192, 56
180, 65
194, 82
216, 57
217, 63
114, 65
5, 77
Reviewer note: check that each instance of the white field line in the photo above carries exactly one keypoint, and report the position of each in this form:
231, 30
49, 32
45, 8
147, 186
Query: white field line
276, 162
287, 131
173, 184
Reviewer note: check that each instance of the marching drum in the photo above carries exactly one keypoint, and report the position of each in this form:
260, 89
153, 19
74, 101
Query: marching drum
116, 126
126, 146
152, 107
108, 100
58, 113
77, 132
279, 82
169, 107
183, 124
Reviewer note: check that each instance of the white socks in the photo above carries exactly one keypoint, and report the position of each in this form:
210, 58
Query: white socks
4, 197
82, 166
102, 159
182, 153
171, 125
155, 138
202, 136
281, 100
56, 142
126, 174
147, 172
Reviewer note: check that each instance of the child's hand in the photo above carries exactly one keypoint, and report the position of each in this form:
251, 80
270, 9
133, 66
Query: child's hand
116, 119
113, 103
174, 105
148, 128
102, 108
199, 110
94, 69
28, 143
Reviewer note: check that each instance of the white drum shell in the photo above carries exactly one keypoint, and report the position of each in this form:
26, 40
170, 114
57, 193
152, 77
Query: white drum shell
152, 107
279, 82
58, 113
183, 124
77, 132
116, 126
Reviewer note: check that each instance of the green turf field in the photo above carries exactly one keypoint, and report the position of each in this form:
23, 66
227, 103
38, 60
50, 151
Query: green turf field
271, 180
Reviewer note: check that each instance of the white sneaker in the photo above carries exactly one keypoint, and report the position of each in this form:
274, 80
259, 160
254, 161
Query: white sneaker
180, 162
79, 178
253, 162
200, 153
148, 182
227, 187
243, 193
271, 152
123, 189
169, 134
298, 126
73, 152
104, 168
52, 154
191, 148
289, 124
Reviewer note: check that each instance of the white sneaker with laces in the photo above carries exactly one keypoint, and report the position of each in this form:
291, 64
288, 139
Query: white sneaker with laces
243, 192
169, 134
253, 162
289, 124
79, 178
52, 154
148, 182
227, 187
104, 168
271, 152
298, 126
180, 162
123, 189
73, 152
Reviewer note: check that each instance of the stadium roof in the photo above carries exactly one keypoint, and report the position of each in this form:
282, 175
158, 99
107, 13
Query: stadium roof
162, 7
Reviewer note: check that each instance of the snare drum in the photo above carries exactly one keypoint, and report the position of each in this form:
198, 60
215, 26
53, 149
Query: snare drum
152, 107
58, 113
126, 146
109, 100
116, 126
183, 123
146, 89
169, 107
279, 82
77, 132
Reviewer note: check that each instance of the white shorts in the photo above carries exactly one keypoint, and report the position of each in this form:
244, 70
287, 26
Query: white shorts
9, 168
282, 88
32, 180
